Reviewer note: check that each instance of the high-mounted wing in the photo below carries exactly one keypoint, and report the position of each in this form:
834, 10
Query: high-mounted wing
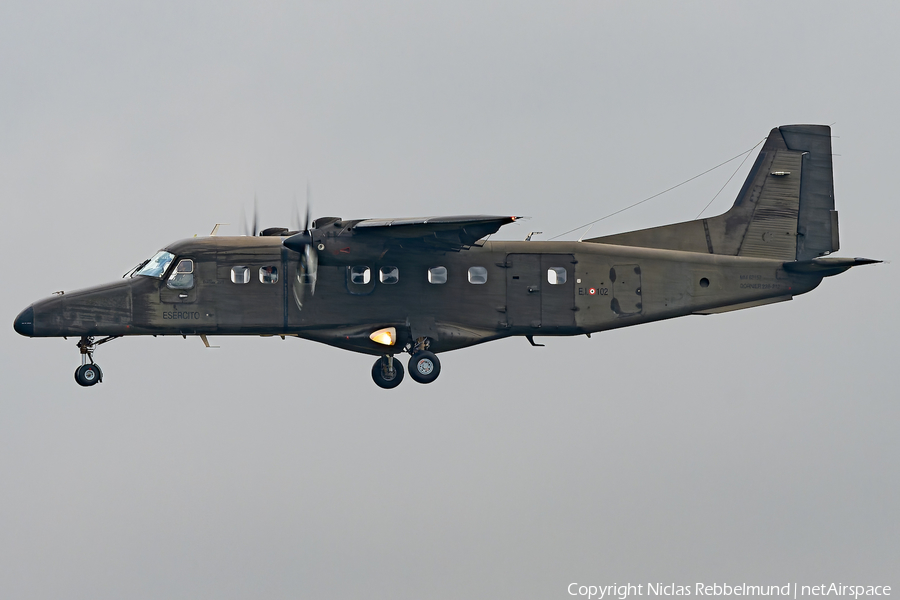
332, 241
450, 233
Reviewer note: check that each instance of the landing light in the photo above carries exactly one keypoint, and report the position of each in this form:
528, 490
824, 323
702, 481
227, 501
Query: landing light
386, 336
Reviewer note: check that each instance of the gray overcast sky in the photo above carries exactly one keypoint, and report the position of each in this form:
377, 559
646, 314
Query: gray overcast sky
758, 446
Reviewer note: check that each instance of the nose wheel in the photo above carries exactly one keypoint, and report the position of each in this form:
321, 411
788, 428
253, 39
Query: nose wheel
89, 372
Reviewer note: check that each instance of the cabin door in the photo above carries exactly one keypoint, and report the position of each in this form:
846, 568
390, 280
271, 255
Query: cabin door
180, 287
558, 294
523, 290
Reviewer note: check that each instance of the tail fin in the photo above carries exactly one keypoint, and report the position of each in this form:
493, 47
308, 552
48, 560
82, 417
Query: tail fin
784, 211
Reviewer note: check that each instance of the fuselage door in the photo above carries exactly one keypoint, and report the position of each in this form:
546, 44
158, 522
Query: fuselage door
523, 290
558, 295
181, 284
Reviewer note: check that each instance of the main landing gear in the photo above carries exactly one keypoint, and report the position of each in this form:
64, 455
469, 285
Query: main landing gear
387, 372
89, 372
424, 366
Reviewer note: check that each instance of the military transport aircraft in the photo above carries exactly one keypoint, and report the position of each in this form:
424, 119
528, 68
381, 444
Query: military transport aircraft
429, 285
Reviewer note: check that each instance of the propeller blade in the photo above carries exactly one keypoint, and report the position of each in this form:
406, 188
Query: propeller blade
306, 221
243, 221
311, 266
298, 293
302, 242
308, 268
255, 230
295, 216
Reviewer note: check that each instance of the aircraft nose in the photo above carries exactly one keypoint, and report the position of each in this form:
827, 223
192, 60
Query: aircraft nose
24, 323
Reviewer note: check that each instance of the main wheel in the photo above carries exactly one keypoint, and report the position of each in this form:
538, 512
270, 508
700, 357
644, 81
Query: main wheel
424, 366
385, 380
88, 375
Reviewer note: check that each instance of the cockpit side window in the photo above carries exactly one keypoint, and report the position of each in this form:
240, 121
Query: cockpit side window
156, 266
182, 278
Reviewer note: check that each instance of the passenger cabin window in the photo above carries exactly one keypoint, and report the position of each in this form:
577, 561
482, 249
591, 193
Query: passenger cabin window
556, 275
437, 275
156, 266
360, 275
182, 278
389, 275
240, 275
268, 274
477, 275
360, 281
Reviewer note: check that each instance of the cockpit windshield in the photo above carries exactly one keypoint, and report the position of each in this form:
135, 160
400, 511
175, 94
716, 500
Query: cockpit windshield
157, 265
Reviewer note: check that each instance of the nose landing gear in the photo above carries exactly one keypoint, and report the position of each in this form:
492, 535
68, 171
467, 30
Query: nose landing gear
88, 375
89, 372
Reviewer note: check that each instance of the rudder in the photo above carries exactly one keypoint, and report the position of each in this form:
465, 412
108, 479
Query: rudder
818, 220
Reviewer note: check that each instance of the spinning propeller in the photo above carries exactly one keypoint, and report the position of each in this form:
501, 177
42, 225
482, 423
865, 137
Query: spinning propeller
303, 243
252, 229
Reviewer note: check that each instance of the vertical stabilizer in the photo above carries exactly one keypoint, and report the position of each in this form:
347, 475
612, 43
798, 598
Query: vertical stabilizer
784, 211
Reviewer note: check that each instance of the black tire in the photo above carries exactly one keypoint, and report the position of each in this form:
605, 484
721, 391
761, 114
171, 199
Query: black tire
88, 375
424, 366
379, 378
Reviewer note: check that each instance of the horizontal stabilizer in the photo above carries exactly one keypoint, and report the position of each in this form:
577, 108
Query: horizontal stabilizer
827, 265
743, 305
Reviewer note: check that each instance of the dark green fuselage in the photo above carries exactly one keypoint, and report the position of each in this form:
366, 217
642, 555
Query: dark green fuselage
605, 287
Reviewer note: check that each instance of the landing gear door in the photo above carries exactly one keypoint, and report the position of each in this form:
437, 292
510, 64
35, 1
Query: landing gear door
523, 290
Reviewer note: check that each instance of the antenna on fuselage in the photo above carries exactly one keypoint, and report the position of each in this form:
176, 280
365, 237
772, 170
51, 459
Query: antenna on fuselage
585, 233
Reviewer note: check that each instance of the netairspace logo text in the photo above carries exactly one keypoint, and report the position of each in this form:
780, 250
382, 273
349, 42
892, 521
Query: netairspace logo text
790, 590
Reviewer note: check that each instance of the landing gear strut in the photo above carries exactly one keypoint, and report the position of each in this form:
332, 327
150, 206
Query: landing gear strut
387, 372
89, 372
